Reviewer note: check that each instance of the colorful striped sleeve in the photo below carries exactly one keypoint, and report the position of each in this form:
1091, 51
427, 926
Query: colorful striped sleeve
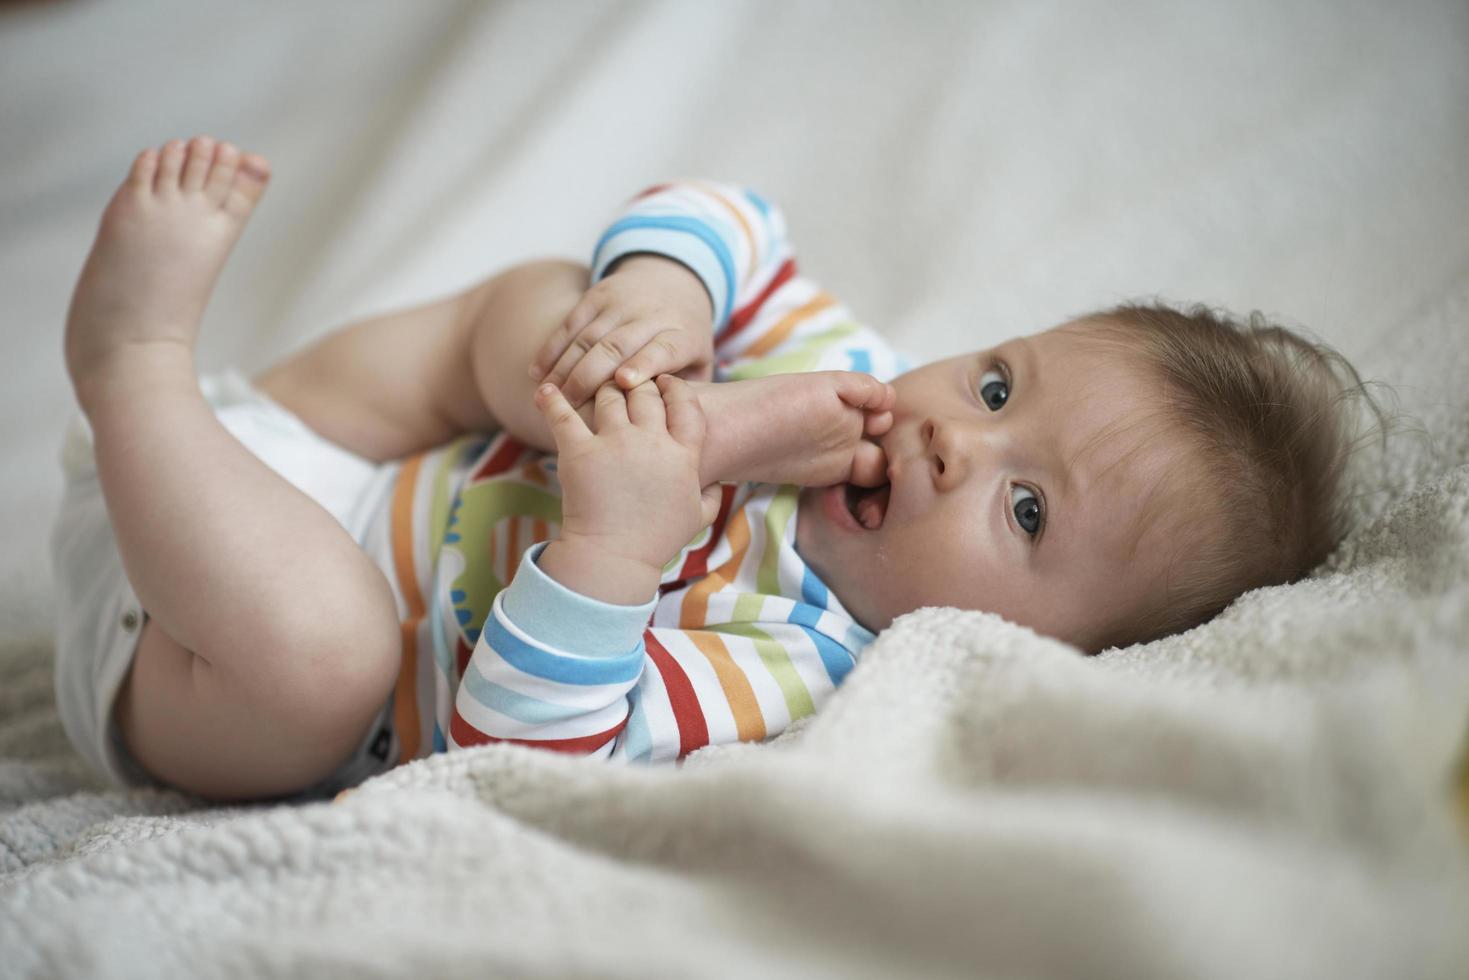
551, 668
729, 682
729, 236
560, 671
768, 318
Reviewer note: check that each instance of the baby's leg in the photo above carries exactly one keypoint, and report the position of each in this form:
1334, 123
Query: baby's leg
279, 636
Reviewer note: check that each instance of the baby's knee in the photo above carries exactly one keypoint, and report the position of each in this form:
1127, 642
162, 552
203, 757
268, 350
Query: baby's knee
327, 663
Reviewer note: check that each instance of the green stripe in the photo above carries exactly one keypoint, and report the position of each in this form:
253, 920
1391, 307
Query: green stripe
801, 357
747, 607
778, 662
782, 506
438, 517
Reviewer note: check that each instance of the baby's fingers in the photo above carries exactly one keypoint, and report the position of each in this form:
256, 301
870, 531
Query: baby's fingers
869, 465
667, 352
685, 415
555, 346
576, 371
567, 427
646, 409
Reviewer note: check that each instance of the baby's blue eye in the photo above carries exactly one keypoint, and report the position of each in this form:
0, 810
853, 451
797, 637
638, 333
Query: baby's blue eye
994, 389
1027, 510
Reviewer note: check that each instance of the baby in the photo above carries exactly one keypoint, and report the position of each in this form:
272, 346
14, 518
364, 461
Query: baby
523, 514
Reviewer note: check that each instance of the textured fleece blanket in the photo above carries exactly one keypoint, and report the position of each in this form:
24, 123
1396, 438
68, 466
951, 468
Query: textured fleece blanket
1279, 793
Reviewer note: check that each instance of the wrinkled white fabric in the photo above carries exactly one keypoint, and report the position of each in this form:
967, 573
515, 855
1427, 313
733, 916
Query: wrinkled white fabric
1270, 795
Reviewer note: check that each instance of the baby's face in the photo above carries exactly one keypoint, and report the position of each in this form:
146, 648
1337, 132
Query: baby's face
1033, 480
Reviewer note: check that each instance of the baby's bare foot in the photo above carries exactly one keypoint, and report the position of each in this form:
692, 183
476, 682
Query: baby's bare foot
164, 238
805, 429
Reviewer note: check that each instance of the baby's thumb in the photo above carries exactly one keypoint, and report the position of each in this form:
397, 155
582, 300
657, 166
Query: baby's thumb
709, 503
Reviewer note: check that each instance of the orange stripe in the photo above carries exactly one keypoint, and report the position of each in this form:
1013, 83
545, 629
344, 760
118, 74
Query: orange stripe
538, 531
732, 209
405, 698
535, 473
767, 341
749, 722
696, 600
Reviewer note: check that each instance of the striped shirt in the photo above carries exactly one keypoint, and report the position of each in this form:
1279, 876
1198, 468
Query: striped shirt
742, 637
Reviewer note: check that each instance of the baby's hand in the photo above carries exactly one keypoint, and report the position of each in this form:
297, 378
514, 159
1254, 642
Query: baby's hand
630, 491
810, 429
651, 316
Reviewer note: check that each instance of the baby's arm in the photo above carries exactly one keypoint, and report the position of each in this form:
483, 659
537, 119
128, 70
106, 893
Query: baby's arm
562, 647
572, 657
727, 238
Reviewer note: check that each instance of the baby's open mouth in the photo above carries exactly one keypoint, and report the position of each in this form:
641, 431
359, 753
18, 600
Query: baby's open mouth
869, 505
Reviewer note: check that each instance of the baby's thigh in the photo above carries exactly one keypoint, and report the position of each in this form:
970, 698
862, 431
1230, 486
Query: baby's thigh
197, 727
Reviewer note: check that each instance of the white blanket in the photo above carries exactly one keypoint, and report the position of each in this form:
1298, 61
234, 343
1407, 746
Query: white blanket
1271, 795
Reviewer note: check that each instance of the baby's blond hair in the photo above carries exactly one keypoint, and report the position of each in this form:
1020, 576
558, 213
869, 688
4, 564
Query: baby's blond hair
1273, 417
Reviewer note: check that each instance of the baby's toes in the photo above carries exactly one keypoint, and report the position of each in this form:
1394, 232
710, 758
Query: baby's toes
869, 465
170, 165
222, 174
877, 423
197, 162
248, 185
144, 167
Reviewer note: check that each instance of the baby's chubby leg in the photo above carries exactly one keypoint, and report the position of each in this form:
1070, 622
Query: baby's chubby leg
282, 637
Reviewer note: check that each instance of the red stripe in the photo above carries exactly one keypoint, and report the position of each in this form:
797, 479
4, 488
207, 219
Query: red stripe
466, 735
697, 562
462, 652
693, 731
650, 191
745, 314
500, 460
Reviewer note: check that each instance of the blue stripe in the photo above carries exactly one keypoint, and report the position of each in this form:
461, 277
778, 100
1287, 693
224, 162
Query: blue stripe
861, 361
692, 226
758, 201
512, 704
813, 590
859, 637
837, 659
440, 744
803, 614
561, 668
